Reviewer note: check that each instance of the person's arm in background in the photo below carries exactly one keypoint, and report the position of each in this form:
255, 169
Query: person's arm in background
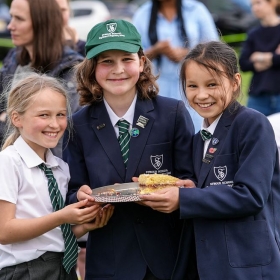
246, 64
200, 17
207, 27
141, 20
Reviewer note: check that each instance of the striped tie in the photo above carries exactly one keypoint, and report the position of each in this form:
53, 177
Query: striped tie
124, 138
205, 135
71, 246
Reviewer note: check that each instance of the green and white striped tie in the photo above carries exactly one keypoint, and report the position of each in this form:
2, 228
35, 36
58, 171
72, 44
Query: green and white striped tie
70, 241
124, 138
205, 135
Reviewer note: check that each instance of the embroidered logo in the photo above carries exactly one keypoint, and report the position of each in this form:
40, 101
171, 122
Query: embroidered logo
157, 161
220, 172
215, 141
111, 27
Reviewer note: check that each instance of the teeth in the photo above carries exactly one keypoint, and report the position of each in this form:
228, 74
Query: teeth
52, 134
205, 105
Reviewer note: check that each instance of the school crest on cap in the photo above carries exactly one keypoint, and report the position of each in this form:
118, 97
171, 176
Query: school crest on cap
111, 27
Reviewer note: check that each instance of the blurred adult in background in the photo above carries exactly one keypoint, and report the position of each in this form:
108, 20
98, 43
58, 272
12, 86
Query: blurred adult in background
169, 28
245, 4
70, 33
37, 32
275, 122
261, 55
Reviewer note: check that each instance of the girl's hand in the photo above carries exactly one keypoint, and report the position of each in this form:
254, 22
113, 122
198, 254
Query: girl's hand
85, 192
135, 179
101, 219
165, 200
185, 183
79, 213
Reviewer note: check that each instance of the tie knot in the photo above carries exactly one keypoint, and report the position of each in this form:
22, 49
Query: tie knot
43, 167
205, 135
123, 126
46, 170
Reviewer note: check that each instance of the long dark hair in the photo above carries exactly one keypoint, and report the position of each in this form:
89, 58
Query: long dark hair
48, 41
153, 24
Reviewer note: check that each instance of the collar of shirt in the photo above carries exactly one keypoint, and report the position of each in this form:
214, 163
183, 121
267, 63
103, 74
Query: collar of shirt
210, 128
30, 157
128, 116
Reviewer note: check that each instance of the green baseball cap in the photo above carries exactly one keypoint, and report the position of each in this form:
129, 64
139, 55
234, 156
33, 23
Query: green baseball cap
112, 35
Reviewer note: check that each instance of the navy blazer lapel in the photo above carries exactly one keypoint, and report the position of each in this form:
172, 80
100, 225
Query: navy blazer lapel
104, 130
137, 144
217, 142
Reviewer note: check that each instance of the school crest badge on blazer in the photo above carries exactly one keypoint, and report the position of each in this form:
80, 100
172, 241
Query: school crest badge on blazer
220, 172
157, 161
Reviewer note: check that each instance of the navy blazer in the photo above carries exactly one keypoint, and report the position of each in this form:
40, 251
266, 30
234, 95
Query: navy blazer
234, 212
136, 236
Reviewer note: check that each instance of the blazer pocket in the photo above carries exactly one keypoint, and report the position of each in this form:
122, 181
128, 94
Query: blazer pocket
223, 170
248, 243
156, 158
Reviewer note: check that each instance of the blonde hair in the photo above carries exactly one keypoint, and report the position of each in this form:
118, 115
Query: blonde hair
20, 97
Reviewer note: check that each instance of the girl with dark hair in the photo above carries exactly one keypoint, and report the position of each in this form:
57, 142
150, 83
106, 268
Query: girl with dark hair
168, 30
231, 228
37, 32
37, 240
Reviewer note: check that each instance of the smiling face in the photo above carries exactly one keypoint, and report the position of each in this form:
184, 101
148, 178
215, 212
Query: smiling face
44, 122
20, 25
117, 72
207, 93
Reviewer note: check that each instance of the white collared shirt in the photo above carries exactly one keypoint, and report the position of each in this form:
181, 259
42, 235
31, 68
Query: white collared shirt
210, 128
128, 116
26, 186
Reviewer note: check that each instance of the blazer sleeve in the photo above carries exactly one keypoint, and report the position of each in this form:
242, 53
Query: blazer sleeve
183, 137
252, 183
73, 155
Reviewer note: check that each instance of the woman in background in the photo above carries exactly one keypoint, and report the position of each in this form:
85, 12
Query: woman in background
37, 32
168, 30
70, 33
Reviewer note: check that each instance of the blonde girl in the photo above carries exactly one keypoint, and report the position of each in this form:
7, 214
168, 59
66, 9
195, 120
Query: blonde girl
32, 235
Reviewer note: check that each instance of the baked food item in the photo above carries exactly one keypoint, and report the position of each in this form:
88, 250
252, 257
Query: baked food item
149, 183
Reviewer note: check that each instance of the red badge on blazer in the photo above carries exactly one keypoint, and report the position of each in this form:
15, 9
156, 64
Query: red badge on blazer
212, 150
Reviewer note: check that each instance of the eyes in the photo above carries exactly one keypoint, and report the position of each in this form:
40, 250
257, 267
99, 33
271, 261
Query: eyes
47, 115
210, 85
112, 61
